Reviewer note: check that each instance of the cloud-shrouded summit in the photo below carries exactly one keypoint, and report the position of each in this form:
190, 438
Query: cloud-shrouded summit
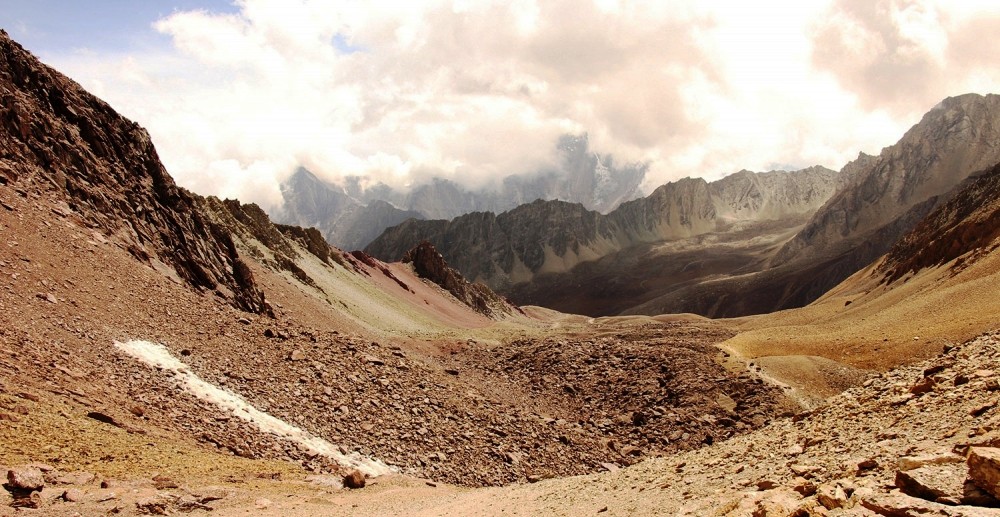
475, 91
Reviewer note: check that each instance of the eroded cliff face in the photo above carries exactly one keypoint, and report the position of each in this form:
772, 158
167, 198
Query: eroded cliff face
554, 236
58, 139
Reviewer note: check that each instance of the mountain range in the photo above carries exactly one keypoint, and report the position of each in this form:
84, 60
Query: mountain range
351, 216
162, 352
550, 246
746, 244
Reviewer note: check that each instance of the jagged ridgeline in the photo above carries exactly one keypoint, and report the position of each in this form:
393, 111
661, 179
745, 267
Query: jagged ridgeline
56, 137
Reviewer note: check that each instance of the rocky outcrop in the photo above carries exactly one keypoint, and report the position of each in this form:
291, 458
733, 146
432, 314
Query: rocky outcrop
56, 137
429, 264
248, 222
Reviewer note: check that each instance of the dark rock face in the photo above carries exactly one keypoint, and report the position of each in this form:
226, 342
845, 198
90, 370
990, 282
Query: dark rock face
310, 238
429, 264
248, 221
58, 137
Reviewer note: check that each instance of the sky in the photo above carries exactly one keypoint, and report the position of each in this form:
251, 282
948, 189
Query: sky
238, 94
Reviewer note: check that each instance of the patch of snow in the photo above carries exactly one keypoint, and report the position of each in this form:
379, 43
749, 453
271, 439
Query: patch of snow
158, 356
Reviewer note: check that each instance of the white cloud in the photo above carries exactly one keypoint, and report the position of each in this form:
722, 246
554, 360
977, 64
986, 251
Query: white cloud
475, 90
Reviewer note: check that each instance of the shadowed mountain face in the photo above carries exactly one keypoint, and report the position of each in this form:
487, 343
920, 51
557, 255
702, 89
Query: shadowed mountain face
746, 244
56, 135
351, 216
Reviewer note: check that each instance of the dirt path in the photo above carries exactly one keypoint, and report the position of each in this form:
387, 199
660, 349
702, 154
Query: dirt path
807, 380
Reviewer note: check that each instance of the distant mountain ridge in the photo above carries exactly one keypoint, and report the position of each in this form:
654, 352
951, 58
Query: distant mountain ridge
553, 236
351, 216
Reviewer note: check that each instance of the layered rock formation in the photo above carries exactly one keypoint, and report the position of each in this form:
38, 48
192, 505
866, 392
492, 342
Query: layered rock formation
967, 224
959, 136
56, 136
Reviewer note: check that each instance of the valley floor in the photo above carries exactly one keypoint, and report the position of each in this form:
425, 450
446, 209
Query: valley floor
541, 413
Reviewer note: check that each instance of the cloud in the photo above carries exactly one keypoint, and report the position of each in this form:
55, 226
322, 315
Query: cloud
477, 90
900, 55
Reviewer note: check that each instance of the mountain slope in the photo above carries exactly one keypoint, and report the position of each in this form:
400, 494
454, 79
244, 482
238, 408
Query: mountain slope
966, 226
957, 137
363, 360
935, 286
59, 137
344, 221
881, 199
358, 363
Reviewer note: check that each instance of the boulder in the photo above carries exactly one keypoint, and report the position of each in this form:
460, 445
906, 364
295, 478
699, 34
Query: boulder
354, 479
832, 496
26, 478
780, 503
984, 469
933, 482
73, 495
914, 462
896, 504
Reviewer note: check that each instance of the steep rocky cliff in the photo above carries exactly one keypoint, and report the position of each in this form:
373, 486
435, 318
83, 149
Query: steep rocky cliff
56, 139
429, 264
